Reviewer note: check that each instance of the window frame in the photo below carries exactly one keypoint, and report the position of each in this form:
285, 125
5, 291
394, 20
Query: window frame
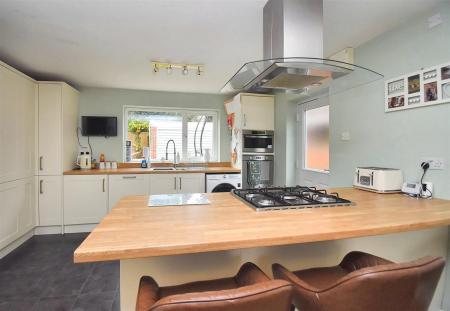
184, 112
303, 152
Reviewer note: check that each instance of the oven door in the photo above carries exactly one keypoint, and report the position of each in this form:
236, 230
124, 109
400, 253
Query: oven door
258, 141
257, 171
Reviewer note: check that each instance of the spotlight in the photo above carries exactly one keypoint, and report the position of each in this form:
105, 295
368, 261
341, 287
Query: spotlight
199, 72
169, 70
155, 68
185, 70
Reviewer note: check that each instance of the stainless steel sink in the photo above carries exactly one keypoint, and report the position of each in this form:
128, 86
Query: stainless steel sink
163, 168
169, 169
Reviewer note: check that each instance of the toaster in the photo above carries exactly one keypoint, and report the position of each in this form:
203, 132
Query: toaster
378, 179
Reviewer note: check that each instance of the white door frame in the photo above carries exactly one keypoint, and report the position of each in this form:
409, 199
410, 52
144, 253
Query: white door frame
308, 177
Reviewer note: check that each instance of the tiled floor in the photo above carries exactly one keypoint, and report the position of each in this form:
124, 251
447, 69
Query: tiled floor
41, 275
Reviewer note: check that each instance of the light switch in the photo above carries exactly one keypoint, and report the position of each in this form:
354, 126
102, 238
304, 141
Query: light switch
345, 136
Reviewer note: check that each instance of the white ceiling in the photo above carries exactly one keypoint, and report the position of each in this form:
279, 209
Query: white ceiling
110, 43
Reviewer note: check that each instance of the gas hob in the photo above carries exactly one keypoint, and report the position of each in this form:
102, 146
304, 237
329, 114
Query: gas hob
278, 198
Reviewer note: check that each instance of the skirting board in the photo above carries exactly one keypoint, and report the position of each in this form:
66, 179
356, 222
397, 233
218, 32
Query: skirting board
67, 229
8, 249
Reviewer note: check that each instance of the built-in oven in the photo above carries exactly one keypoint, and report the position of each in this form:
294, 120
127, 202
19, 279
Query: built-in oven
257, 141
257, 171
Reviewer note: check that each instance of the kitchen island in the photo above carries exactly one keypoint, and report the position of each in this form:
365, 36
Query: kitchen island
177, 244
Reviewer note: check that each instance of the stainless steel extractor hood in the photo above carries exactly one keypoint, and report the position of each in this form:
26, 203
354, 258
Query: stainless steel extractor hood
293, 56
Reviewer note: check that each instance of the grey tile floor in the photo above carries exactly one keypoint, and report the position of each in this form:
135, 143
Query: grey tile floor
41, 275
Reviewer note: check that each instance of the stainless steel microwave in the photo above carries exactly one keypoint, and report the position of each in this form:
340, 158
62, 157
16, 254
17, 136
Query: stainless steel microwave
257, 141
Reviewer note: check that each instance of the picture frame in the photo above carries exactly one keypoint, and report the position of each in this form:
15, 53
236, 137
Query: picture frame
426, 87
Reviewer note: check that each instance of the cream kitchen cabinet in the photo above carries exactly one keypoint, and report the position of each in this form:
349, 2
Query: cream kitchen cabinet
17, 124
17, 209
177, 183
58, 121
257, 111
123, 185
85, 199
50, 200
191, 183
163, 183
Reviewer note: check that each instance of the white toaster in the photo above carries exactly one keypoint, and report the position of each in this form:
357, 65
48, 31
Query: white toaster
378, 179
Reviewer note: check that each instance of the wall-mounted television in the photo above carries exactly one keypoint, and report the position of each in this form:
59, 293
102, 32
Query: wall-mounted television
98, 126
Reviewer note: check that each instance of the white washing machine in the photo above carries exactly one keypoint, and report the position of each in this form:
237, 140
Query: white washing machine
223, 182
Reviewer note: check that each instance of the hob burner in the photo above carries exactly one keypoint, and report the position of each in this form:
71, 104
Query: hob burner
297, 197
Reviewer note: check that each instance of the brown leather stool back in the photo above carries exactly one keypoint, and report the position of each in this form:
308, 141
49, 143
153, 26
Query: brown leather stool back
249, 290
368, 284
267, 296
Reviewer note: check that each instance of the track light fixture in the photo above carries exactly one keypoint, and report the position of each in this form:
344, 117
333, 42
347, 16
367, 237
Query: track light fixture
184, 68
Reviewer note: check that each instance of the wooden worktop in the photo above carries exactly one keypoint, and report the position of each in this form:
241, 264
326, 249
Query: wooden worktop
134, 230
138, 170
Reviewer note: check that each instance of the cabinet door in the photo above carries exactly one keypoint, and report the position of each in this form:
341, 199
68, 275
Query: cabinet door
50, 200
258, 112
17, 209
123, 185
85, 199
50, 114
191, 183
17, 125
163, 183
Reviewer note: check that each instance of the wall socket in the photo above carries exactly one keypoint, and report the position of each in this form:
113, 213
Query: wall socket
435, 163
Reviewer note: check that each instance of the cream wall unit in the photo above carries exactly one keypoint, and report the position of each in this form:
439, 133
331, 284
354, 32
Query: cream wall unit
257, 111
50, 200
17, 209
17, 124
85, 199
123, 185
177, 183
58, 119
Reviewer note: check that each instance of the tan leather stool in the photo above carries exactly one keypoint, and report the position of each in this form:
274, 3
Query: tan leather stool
249, 290
363, 282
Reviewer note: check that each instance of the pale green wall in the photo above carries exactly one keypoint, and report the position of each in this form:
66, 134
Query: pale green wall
285, 140
396, 139
110, 102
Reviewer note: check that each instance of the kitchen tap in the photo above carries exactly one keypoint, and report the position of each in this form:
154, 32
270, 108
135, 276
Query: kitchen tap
174, 151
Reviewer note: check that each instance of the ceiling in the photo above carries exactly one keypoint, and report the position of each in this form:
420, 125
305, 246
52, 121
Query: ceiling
110, 43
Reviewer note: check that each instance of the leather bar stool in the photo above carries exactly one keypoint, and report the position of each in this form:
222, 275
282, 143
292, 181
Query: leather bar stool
249, 290
363, 282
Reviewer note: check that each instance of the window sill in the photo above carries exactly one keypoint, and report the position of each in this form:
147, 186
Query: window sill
316, 171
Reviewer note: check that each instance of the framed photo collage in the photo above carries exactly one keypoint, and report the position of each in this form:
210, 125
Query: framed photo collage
422, 88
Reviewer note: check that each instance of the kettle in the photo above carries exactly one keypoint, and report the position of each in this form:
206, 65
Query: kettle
84, 161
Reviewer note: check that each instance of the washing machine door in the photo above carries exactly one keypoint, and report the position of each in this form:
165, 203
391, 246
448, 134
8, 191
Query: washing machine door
224, 187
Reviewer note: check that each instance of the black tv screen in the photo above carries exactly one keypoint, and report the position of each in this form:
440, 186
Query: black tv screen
98, 126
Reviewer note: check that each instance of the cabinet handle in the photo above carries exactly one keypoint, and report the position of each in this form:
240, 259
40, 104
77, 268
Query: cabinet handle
103, 185
41, 188
245, 119
129, 177
175, 183
40, 163
180, 183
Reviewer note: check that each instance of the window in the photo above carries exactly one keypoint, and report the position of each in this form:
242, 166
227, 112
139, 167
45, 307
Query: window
194, 132
317, 141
